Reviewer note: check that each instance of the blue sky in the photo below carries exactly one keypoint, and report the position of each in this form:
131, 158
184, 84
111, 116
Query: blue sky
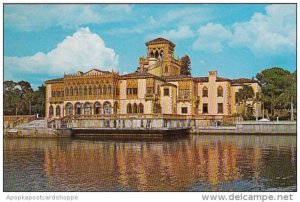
42, 42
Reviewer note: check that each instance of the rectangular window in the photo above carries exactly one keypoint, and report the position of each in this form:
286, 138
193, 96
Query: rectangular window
149, 90
220, 108
184, 110
205, 108
134, 91
129, 91
166, 92
236, 98
205, 92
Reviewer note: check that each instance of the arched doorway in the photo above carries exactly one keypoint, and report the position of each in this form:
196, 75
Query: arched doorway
50, 111
106, 108
57, 111
87, 108
69, 109
134, 108
77, 108
141, 108
97, 108
129, 109
115, 107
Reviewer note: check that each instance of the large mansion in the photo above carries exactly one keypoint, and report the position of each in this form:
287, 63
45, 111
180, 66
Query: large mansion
156, 88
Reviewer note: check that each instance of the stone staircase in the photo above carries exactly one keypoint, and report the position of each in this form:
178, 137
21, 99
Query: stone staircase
33, 124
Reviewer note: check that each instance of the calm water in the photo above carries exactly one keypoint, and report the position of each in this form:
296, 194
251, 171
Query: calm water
195, 163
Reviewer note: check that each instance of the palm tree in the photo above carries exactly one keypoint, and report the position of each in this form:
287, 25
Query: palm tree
29, 96
258, 99
244, 94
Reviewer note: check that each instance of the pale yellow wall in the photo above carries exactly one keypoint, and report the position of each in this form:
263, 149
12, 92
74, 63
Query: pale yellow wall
122, 89
148, 107
174, 100
123, 106
212, 100
166, 100
169, 102
157, 70
141, 88
48, 95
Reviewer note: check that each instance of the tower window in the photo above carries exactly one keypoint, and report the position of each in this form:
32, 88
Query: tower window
205, 92
205, 108
220, 108
184, 110
166, 92
220, 91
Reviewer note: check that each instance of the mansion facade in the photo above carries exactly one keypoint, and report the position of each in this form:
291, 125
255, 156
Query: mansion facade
156, 88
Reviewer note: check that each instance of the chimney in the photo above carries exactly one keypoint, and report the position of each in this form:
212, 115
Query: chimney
212, 75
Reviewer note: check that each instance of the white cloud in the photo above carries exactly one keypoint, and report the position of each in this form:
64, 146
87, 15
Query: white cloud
270, 33
81, 51
182, 32
211, 37
186, 16
40, 17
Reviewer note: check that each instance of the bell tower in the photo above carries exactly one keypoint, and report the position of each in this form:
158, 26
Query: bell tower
160, 58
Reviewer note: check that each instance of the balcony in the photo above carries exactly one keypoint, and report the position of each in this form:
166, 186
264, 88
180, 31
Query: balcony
184, 98
56, 99
149, 96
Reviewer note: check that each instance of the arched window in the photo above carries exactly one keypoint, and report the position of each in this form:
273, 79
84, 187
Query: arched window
69, 109
90, 90
115, 107
76, 91
141, 108
129, 109
67, 91
99, 89
95, 90
71, 91
97, 108
57, 111
77, 108
151, 54
156, 54
106, 108
109, 90
205, 92
104, 90
85, 90
87, 108
134, 108
51, 111
220, 91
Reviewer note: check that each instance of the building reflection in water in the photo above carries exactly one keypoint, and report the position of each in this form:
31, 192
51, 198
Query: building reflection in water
196, 163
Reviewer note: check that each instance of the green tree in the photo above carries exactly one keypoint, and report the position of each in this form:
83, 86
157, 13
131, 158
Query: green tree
20, 98
185, 66
257, 99
27, 96
288, 97
39, 100
9, 97
273, 82
244, 94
